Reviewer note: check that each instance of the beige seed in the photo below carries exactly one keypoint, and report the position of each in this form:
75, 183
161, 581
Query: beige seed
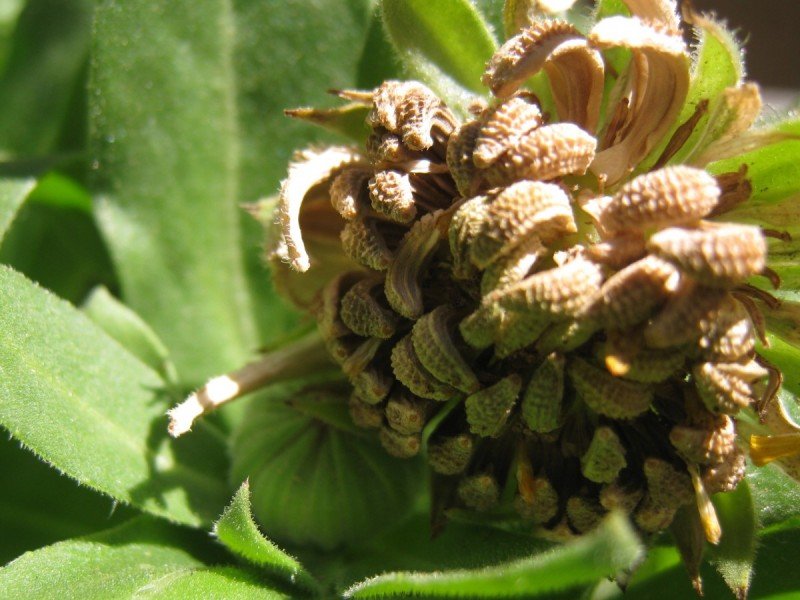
460, 150
451, 455
479, 492
501, 128
409, 371
489, 409
391, 195
604, 458
727, 387
625, 357
364, 313
402, 288
722, 256
670, 196
685, 316
408, 108
618, 252
513, 268
399, 445
436, 350
727, 334
708, 445
537, 500
606, 394
542, 401
386, 149
347, 192
566, 336
522, 210
362, 242
545, 153
727, 475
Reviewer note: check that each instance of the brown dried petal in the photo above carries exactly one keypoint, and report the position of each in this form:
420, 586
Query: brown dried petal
501, 128
488, 409
391, 195
606, 394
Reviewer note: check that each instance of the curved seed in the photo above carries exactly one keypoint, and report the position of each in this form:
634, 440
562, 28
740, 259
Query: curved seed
605, 457
361, 357
618, 252
631, 295
626, 358
537, 500
466, 224
727, 334
402, 288
685, 316
437, 352
511, 269
451, 455
367, 416
726, 387
410, 372
362, 242
479, 492
405, 413
545, 153
501, 127
606, 394
489, 408
720, 257
460, 150
727, 475
542, 401
391, 195
372, 384
364, 314
615, 496
566, 336
584, 514
408, 108
666, 484
347, 192
399, 445
523, 209
670, 196
384, 148
706, 446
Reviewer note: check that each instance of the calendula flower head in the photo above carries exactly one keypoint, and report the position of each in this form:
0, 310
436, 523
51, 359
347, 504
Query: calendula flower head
545, 296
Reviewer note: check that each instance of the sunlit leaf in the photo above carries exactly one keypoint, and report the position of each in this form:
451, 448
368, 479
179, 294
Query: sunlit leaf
12, 194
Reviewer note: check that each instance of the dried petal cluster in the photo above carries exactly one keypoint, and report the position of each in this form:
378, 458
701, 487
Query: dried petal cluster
531, 306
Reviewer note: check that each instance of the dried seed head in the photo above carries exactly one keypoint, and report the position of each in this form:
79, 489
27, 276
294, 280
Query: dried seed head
363, 310
479, 492
399, 445
722, 256
362, 242
542, 401
708, 445
501, 128
522, 210
584, 514
451, 455
670, 196
605, 457
606, 394
410, 372
545, 153
347, 192
489, 408
391, 195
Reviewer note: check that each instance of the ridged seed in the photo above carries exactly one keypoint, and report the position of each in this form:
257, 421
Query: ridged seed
489, 409
451, 455
410, 372
584, 514
399, 445
347, 192
460, 150
501, 127
363, 312
391, 194
362, 242
606, 394
708, 446
542, 401
605, 457
479, 492
727, 387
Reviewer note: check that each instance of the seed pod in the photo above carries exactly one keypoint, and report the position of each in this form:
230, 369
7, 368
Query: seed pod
451, 455
584, 514
523, 209
362, 242
364, 314
708, 445
542, 402
479, 492
615, 496
626, 358
436, 350
406, 413
684, 318
347, 192
367, 416
488, 409
726, 387
501, 128
667, 485
674, 195
460, 150
399, 445
391, 195
606, 394
652, 516
631, 295
410, 372
545, 153
720, 257
513, 268
725, 476
537, 500
402, 280
466, 224
605, 457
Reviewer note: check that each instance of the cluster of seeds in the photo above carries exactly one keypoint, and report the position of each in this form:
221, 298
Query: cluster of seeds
548, 344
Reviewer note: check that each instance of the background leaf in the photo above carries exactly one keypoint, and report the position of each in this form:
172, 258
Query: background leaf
85, 405
443, 44
612, 547
12, 194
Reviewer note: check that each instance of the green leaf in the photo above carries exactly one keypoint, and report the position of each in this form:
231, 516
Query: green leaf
314, 484
13, 193
38, 506
128, 328
735, 554
44, 71
776, 495
611, 548
143, 558
787, 358
239, 532
84, 404
166, 158
443, 44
